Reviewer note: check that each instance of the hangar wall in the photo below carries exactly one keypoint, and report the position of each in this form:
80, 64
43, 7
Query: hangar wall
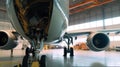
107, 11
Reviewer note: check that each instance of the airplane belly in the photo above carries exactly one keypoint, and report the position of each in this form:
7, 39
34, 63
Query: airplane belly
29, 19
57, 26
50, 20
12, 15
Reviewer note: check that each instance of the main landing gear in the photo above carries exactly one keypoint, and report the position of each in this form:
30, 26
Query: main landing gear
68, 49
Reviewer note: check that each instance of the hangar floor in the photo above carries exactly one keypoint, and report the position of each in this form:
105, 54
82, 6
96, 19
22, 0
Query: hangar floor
55, 58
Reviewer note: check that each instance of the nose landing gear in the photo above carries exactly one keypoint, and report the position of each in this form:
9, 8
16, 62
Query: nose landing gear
30, 60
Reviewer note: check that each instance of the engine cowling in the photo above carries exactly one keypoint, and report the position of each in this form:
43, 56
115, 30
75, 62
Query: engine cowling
7, 40
98, 41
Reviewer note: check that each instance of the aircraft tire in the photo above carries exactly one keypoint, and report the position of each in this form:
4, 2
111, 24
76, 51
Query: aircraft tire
43, 61
25, 61
71, 52
27, 51
65, 51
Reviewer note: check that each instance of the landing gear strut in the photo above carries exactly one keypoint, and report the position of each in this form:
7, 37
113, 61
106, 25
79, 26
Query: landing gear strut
68, 49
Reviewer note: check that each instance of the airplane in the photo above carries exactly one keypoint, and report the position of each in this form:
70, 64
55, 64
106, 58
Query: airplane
44, 22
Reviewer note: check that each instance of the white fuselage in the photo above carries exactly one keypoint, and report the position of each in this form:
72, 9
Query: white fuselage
58, 21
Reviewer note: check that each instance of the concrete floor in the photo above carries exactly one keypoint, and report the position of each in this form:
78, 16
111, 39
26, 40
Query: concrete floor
55, 58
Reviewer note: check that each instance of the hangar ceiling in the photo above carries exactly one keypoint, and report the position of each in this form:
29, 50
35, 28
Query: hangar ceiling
75, 6
82, 5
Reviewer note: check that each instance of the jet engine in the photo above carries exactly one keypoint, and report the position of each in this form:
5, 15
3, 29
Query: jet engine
7, 40
98, 41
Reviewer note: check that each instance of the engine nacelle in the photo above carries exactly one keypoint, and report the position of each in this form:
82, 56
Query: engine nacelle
98, 41
7, 40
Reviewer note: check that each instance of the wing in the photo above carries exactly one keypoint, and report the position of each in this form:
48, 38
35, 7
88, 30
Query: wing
96, 40
116, 31
77, 33
74, 34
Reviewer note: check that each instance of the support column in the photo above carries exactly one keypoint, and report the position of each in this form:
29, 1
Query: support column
103, 16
